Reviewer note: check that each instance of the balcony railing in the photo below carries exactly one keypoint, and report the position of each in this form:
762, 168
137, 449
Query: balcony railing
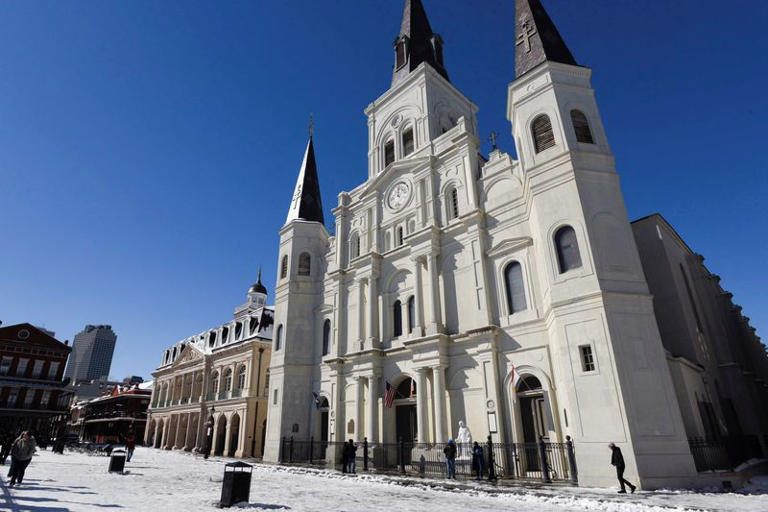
223, 395
236, 393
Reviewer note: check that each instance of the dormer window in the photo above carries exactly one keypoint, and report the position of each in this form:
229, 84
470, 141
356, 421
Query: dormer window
389, 152
408, 141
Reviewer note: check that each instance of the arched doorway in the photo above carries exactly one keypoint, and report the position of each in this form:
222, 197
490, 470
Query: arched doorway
171, 435
533, 419
234, 435
159, 424
221, 435
406, 425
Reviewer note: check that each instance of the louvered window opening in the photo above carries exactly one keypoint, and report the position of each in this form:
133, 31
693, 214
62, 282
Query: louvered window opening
408, 142
513, 278
327, 337
411, 313
453, 204
284, 268
389, 153
581, 127
305, 263
543, 136
567, 246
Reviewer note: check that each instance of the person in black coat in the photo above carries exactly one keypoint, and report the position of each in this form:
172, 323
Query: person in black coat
478, 460
349, 456
617, 460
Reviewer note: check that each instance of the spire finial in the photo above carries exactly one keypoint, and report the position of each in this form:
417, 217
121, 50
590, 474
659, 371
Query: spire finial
493, 138
259, 279
311, 125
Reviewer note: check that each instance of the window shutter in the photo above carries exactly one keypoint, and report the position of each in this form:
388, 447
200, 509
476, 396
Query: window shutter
543, 137
581, 127
389, 153
408, 142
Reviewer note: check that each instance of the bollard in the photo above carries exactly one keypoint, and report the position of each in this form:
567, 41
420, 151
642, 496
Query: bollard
571, 460
290, 451
491, 464
365, 454
311, 444
543, 461
401, 456
236, 486
117, 461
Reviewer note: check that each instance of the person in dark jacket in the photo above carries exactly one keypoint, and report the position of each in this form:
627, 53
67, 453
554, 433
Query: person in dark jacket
7, 441
617, 459
348, 457
130, 445
478, 460
450, 458
21, 455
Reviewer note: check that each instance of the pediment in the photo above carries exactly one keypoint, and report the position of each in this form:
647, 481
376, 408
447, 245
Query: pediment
509, 245
395, 169
190, 354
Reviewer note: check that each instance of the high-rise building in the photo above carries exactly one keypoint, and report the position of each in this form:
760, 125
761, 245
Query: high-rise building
92, 352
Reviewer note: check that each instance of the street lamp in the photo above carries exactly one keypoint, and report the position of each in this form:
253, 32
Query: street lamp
209, 433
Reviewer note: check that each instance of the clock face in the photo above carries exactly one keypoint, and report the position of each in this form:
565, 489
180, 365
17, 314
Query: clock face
399, 195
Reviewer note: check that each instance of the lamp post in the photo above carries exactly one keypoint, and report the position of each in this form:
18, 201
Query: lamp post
209, 433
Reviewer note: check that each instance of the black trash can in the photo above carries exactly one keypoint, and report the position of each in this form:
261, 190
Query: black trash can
117, 461
236, 486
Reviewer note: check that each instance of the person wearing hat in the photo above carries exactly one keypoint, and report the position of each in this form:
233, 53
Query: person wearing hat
617, 459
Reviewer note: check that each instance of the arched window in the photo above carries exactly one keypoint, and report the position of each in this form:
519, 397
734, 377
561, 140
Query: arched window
567, 247
581, 127
284, 267
305, 262
528, 383
543, 136
397, 319
406, 388
241, 378
228, 379
411, 313
279, 337
400, 53
399, 236
326, 337
408, 141
354, 246
389, 152
513, 279
215, 382
452, 203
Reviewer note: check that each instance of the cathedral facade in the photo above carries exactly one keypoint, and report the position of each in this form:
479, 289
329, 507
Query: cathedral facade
504, 292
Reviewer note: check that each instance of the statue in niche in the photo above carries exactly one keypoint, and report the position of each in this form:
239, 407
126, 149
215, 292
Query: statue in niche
464, 442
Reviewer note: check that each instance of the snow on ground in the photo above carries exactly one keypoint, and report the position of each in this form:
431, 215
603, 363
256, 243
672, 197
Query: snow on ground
181, 482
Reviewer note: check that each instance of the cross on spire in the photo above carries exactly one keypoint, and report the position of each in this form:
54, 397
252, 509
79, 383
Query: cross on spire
493, 138
311, 125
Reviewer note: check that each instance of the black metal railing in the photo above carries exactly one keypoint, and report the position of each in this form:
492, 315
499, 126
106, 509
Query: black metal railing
725, 453
542, 461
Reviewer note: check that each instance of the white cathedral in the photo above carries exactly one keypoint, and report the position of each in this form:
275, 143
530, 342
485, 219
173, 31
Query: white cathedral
450, 278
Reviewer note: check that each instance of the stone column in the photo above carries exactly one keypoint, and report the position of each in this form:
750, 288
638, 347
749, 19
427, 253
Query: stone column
177, 443
421, 405
436, 324
358, 408
372, 421
417, 299
439, 385
373, 305
227, 435
242, 445
171, 388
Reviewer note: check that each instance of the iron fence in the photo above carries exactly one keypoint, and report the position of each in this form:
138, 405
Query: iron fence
541, 461
724, 453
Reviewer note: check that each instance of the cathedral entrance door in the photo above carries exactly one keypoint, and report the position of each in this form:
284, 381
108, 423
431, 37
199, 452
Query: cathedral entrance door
406, 427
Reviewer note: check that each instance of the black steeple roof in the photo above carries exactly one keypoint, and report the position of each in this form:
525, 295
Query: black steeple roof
257, 286
536, 38
306, 203
416, 43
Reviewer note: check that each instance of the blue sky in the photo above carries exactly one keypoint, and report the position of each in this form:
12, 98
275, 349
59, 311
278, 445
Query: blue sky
148, 150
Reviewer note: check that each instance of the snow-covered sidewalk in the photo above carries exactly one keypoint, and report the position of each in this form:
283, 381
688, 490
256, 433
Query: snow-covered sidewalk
171, 482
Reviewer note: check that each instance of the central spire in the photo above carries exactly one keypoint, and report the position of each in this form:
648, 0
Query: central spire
306, 203
416, 43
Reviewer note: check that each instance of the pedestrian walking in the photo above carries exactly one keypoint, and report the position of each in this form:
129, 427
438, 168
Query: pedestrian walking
617, 459
7, 441
450, 458
21, 455
478, 460
130, 445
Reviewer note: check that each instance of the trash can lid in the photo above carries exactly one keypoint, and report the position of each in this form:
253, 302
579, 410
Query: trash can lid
238, 465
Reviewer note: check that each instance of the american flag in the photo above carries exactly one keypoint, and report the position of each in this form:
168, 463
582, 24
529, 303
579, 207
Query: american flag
389, 395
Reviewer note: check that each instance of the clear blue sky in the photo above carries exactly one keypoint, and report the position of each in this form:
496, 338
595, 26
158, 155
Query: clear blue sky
148, 150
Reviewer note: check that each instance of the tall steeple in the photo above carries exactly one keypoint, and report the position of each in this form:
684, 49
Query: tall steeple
536, 38
416, 43
306, 203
